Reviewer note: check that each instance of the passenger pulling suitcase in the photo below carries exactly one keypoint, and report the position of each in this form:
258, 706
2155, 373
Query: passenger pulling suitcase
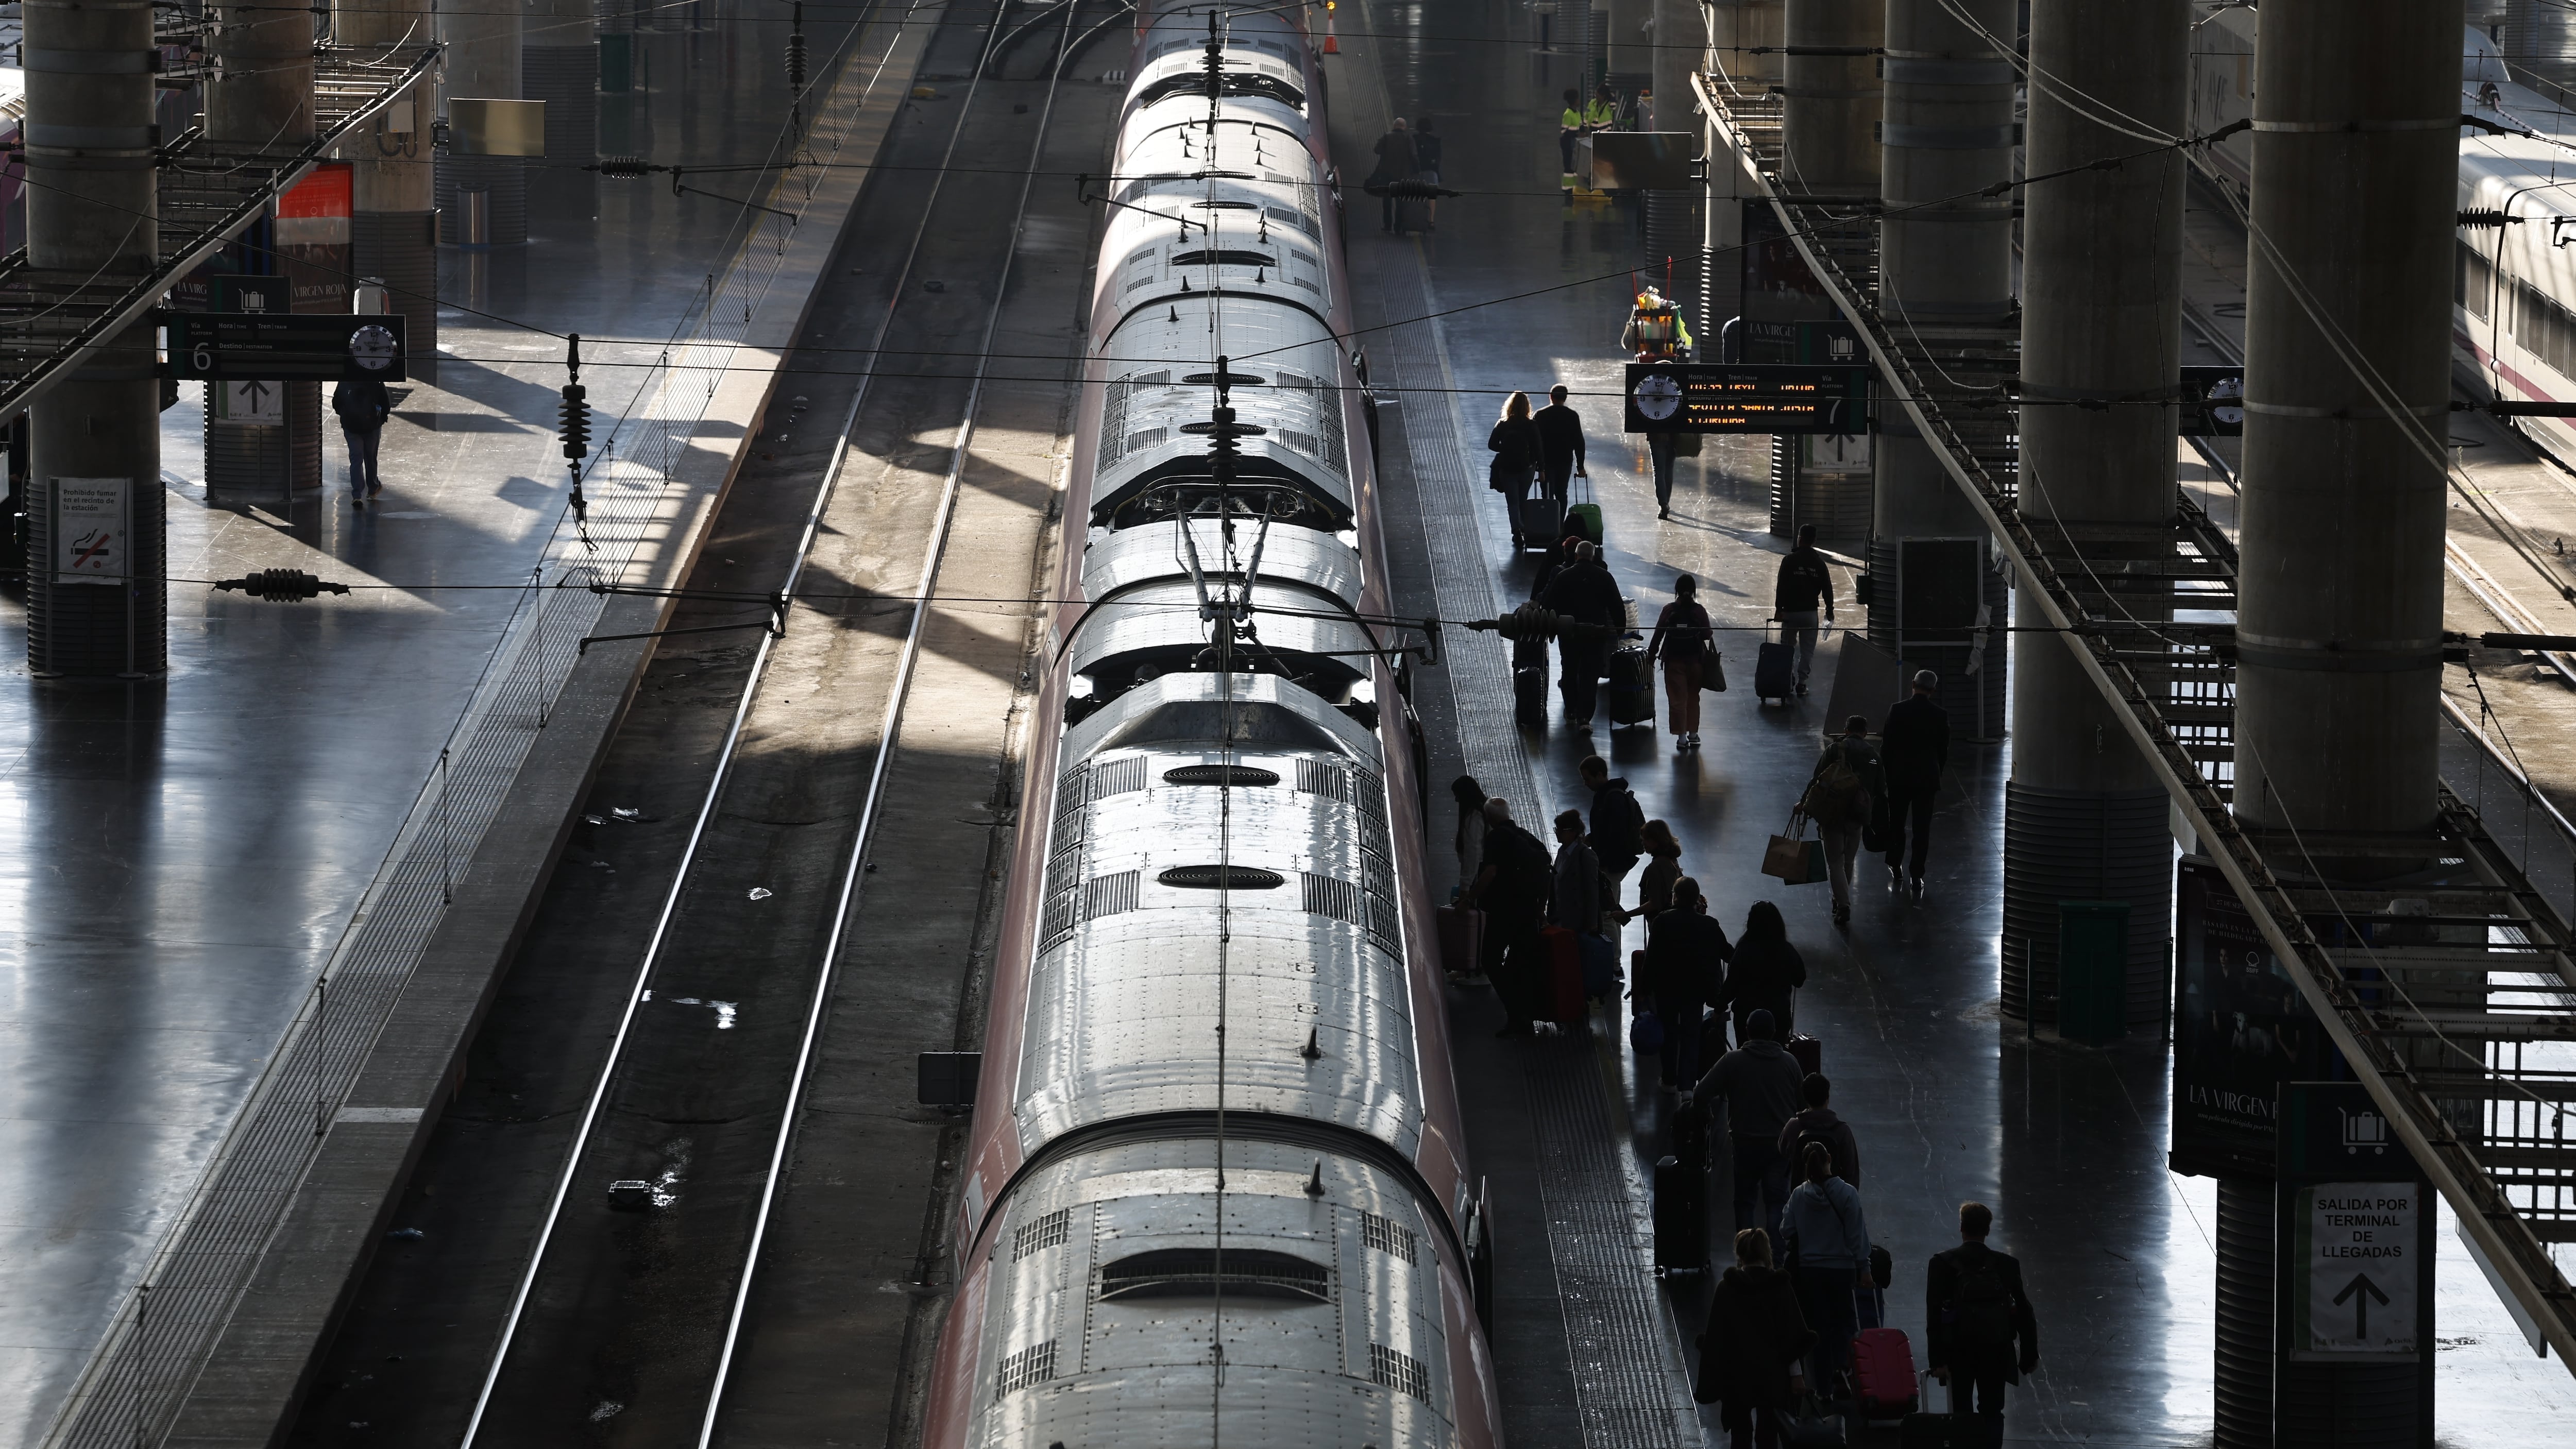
1529, 696
1883, 1379
1681, 1218
1631, 693
1561, 994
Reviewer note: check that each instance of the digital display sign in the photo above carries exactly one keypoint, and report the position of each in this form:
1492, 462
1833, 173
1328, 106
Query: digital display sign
284, 347
1710, 397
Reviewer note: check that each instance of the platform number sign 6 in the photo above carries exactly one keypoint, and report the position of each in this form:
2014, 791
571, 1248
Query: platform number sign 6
202, 357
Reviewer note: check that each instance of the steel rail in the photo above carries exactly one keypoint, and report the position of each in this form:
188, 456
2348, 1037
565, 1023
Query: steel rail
2483, 1211
715, 791
889, 733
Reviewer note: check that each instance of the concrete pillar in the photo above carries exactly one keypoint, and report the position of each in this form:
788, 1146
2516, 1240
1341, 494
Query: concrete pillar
1631, 66
393, 227
2340, 594
2084, 816
91, 204
1946, 272
2339, 626
1829, 138
1673, 224
260, 103
1735, 31
482, 63
559, 65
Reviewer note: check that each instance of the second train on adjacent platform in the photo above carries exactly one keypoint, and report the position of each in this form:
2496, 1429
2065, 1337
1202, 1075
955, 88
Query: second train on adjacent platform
1216, 1189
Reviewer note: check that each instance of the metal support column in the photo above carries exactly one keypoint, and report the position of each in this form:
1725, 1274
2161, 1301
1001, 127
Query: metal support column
1945, 270
98, 594
559, 65
482, 63
2084, 815
1829, 145
2348, 356
259, 112
393, 224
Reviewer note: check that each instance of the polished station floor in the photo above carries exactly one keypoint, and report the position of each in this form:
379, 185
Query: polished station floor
184, 854
1949, 1100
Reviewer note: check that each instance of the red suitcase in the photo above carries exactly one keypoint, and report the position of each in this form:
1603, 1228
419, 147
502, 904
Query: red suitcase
1562, 992
1462, 940
1883, 1378
1809, 1052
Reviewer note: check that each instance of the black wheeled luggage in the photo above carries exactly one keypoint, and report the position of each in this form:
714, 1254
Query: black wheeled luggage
1542, 519
1681, 1218
1809, 1052
1412, 214
1529, 696
1953, 1430
1630, 694
1775, 671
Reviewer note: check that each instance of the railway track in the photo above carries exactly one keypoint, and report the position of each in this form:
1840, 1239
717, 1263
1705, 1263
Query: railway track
672, 1006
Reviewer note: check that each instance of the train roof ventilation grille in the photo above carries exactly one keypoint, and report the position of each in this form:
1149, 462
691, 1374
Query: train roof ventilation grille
1338, 899
1220, 775
1117, 777
1322, 777
1034, 1364
1047, 1232
1199, 1273
1222, 877
1399, 1371
1110, 895
1383, 1234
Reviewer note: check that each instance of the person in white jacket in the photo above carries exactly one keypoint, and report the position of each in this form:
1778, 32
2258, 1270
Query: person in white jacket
1828, 1242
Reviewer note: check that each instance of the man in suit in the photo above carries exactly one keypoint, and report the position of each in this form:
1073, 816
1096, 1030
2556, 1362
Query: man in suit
1980, 1322
1560, 433
1915, 749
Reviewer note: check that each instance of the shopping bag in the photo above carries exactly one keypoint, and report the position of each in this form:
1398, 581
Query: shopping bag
1787, 857
1712, 671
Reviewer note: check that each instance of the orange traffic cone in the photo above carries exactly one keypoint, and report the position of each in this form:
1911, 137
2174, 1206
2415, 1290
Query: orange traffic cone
1331, 45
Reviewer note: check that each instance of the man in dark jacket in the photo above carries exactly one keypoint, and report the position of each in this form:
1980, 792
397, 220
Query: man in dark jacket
1759, 1081
1848, 783
1396, 161
1915, 749
1586, 593
1560, 431
363, 405
1978, 1317
1618, 822
1512, 888
1685, 966
1817, 1123
1805, 581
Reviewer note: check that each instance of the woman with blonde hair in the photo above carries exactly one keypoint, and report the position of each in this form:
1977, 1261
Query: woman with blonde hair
1518, 450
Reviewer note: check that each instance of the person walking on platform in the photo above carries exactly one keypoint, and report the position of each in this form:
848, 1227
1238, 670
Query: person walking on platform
1765, 974
1426, 162
1586, 594
1752, 1346
1568, 127
1574, 898
1827, 1239
1663, 870
1396, 161
1817, 1123
1560, 431
1512, 889
1979, 1325
1470, 839
1686, 952
1516, 449
1804, 580
363, 405
1759, 1080
1618, 822
1848, 784
1915, 748
1683, 639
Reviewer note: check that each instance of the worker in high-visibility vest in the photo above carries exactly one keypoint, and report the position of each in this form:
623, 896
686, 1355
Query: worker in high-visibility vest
1603, 113
1569, 126
1657, 333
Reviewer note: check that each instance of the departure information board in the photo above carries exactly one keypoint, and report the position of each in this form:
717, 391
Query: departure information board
281, 347
1716, 397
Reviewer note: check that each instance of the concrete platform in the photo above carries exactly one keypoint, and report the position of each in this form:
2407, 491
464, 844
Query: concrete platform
1949, 1100
188, 854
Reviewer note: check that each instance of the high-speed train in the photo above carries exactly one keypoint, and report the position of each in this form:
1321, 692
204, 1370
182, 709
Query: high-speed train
2513, 322
1217, 1190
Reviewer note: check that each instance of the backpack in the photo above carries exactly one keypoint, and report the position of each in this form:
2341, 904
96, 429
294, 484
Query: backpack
1981, 1305
1621, 833
1524, 870
1838, 795
1796, 1153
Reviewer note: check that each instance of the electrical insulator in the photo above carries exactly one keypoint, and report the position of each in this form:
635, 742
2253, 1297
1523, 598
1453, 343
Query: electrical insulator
627, 166
576, 422
796, 54
280, 586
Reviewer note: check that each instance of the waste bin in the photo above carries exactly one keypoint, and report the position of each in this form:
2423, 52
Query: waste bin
2092, 970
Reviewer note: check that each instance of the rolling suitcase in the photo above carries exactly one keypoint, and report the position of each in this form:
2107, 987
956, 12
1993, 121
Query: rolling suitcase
1542, 519
1809, 1052
1775, 671
1529, 696
1681, 1218
1631, 694
1600, 964
1462, 940
1563, 988
1953, 1430
1585, 518
1412, 214
1883, 1381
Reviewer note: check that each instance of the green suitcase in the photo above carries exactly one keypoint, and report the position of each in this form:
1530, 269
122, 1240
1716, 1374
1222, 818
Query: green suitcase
1585, 519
